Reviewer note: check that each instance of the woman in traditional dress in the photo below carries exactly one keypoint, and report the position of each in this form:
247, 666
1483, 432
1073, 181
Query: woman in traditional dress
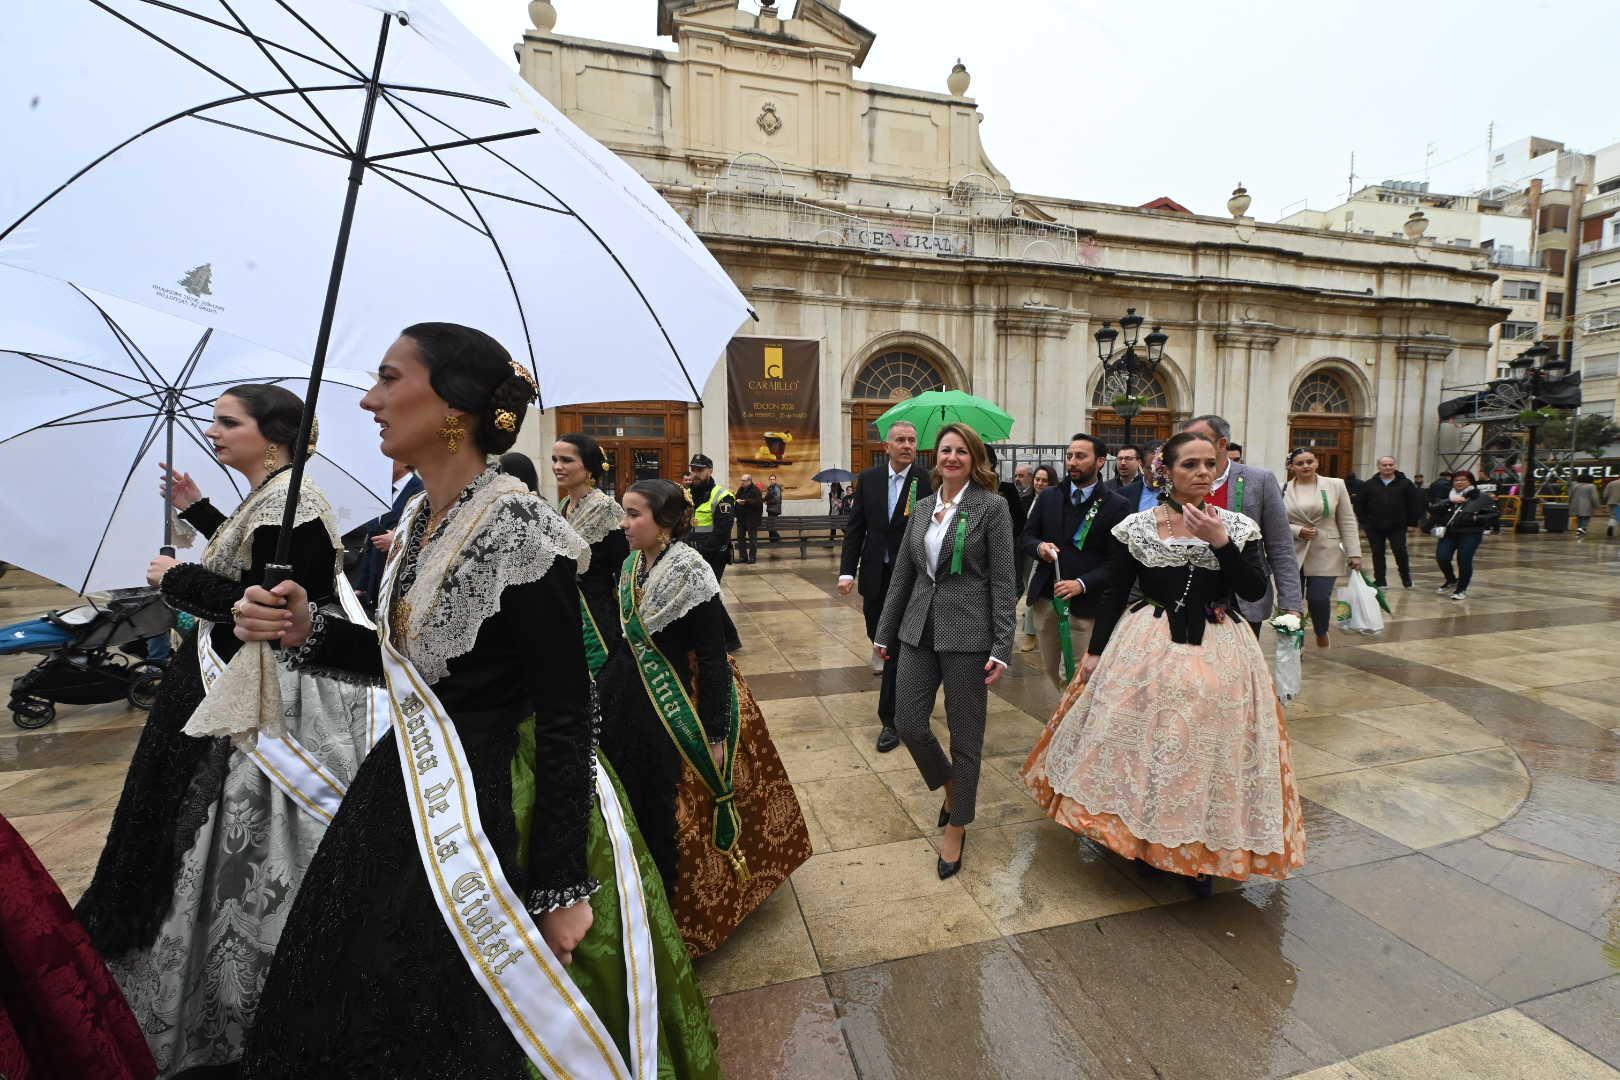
1322, 517
1170, 748
578, 464
211, 837
707, 785
61, 1014
467, 865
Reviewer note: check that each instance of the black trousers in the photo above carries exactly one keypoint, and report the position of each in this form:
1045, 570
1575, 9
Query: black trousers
872, 608
1396, 539
748, 537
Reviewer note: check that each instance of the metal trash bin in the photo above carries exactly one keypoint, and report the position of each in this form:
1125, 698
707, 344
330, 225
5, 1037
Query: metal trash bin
1555, 517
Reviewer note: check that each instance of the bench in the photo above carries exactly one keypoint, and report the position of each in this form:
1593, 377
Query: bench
821, 529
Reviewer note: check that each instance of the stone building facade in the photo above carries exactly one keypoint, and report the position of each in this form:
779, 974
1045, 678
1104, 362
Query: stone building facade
871, 220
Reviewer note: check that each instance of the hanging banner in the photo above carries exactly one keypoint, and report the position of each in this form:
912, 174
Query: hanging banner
774, 387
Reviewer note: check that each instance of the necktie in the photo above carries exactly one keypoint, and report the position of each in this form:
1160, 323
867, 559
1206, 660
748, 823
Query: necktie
895, 480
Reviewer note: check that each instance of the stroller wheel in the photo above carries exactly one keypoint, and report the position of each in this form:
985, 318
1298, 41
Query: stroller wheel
29, 713
143, 688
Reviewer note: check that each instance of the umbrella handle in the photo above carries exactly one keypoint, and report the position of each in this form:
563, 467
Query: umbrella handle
276, 573
167, 549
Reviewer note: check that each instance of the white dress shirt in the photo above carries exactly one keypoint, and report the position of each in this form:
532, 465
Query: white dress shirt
939, 528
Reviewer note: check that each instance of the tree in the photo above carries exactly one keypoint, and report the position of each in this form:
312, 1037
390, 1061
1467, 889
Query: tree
1593, 433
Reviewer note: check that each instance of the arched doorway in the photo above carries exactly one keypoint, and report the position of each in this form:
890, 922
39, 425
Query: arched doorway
889, 377
1322, 418
1155, 423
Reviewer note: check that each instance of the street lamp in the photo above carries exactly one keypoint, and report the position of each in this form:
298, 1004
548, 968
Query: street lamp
1531, 369
1130, 364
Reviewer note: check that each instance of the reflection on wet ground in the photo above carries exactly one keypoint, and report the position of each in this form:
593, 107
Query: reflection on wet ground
1459, 913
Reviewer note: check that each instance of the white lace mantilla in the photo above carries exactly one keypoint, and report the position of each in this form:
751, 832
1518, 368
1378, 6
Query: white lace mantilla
1140, 533
230, 551
677, 583
504, 535
596, 515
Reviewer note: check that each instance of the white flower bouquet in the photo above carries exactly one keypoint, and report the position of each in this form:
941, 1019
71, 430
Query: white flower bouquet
1290, 643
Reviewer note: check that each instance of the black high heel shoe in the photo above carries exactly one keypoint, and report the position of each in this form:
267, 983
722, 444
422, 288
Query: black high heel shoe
1202, 886
949, 869
945, 815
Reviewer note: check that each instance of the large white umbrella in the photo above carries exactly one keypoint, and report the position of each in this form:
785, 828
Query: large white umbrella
316, 176
98, 391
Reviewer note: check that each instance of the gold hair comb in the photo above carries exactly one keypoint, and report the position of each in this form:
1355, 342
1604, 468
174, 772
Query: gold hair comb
506, 419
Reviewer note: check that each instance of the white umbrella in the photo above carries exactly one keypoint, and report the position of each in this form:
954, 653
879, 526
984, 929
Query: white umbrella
98, 392
206, 158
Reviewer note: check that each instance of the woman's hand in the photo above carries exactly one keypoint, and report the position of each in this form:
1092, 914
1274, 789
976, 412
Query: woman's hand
1206, 525
992, 672
383, 541
1355, 562
717, 751
279, 614
1088, 664
180, 487
157, 568
883, 654
566, 927
1307, 532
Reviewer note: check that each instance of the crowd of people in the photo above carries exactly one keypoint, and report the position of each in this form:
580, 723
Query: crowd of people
494, 780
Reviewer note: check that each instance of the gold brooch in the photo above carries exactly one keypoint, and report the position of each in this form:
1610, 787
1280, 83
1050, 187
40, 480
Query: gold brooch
506, 419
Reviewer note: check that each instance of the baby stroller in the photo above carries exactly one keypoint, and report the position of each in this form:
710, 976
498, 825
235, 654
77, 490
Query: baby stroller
93, 654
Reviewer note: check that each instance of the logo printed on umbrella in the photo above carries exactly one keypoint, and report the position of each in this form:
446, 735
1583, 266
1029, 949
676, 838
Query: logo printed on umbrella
198, 281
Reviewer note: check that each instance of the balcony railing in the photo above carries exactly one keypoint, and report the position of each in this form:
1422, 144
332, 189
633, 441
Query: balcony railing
1593, 247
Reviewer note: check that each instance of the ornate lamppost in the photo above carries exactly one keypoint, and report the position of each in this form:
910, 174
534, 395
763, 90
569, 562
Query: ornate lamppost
1532, 369
1130, 365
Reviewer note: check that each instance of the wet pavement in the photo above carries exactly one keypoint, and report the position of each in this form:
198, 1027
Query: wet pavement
1458, 914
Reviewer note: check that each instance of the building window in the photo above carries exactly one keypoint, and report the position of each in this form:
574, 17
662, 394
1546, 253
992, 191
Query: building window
1608, 186
896, 376
1322, 393
1520, 290
1603, 320
1518, 331
1555, 305
1600, 367
1553, 260
1156, 396
623, 426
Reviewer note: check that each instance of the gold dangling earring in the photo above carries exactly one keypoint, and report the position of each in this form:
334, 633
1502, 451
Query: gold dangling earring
271, 457
452, 433
663, 542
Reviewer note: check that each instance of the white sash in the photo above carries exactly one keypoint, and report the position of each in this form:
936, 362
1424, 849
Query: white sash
552, 1021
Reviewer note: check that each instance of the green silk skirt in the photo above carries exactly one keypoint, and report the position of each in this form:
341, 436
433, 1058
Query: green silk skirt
687, 1045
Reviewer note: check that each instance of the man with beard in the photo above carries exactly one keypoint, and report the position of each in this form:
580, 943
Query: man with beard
1070, 530
884, 496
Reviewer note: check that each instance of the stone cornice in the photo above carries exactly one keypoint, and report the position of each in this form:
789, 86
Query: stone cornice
1252, 338
1437, 349
1035, 322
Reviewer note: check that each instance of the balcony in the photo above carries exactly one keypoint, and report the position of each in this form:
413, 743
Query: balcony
1594, 247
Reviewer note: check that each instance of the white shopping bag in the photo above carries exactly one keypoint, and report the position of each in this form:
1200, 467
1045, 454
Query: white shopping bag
1286, 677
1358, 607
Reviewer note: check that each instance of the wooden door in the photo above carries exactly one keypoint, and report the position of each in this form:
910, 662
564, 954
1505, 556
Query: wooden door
1331, 439
642, 440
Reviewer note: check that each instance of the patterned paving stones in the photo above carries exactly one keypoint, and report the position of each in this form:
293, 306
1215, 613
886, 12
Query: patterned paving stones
1458, 916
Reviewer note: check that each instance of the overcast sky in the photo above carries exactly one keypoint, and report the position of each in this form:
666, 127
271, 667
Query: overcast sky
1125, 101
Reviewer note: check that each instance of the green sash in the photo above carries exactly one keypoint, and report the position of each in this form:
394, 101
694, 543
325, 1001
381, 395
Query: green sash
1237, 496
595, 648
1065, 636
680, 719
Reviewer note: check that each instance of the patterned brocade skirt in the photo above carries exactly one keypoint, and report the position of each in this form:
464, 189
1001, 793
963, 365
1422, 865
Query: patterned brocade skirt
709, 900
1177, 755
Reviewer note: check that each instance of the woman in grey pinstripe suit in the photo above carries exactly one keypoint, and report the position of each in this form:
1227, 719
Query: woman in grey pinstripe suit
949, 612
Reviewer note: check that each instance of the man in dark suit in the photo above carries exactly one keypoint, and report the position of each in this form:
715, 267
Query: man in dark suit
379, 534
1127, 479
1070, 530
883, 499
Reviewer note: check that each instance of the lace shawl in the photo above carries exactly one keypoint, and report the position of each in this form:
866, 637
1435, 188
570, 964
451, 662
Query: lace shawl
503, 535
230, 550
596, 515
1140, 533
677, 583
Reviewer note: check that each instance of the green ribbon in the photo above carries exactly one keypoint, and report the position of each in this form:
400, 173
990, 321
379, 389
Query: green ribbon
911, 497
1237, 496
1065, 637
959, 546
680, 719
595, 648
1084, 530
1327, 511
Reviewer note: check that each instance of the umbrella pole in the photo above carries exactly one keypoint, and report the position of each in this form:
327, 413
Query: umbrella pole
280, 569
168, 479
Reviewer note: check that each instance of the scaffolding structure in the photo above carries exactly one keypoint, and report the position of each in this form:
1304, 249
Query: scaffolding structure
1495, 444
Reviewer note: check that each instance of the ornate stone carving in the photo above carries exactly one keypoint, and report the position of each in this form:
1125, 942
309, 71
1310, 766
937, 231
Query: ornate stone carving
768, 120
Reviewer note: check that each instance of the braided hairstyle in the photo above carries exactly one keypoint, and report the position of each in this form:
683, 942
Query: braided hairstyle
473, 372
668, 504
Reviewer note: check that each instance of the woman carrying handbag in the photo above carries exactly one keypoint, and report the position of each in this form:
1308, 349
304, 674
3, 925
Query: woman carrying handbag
1460, 520
1323, 522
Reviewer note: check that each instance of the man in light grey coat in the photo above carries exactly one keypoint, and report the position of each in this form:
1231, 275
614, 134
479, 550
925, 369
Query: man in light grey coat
1255, 493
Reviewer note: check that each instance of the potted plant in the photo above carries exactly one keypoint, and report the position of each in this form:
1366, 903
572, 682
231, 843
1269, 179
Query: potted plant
1534, 418
1128, 405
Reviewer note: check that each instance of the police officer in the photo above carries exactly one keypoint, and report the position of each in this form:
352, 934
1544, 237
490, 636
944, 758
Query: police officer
714, 511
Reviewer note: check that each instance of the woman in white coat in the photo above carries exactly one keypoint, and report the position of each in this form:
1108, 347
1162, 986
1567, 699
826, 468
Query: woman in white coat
1326, 537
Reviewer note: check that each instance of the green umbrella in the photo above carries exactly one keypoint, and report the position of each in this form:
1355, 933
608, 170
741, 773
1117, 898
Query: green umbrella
933, 409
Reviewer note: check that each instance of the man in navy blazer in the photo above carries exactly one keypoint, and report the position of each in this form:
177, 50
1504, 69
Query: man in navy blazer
877, 523
1070, 532
379, 533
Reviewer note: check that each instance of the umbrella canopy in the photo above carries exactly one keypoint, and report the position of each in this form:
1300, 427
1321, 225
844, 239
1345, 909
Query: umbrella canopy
833, 476
933, 409
98, 392
197, 157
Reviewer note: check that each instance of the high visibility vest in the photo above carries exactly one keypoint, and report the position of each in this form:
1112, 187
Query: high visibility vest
703, 513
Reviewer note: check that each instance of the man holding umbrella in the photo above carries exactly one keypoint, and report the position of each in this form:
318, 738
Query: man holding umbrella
884, 495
